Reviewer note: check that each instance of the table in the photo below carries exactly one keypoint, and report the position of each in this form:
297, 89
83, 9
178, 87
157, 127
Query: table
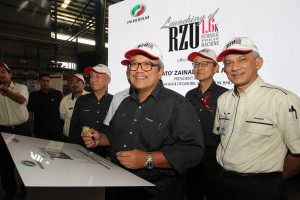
58, 170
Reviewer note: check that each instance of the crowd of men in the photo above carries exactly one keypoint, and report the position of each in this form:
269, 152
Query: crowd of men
215, 143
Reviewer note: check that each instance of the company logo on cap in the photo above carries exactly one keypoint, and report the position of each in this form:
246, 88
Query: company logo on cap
149, 45
138, 10
235, 41
204, 50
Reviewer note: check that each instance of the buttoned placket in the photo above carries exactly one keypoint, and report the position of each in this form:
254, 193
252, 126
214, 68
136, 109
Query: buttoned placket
98, 112
134, 123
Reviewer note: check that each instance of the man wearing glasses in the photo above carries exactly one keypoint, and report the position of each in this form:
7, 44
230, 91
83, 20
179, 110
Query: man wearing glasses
201, 180
76, 84
155, 133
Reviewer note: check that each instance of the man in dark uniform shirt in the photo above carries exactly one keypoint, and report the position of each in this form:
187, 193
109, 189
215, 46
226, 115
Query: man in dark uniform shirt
43, 107
201, 180
91, 109
155, 133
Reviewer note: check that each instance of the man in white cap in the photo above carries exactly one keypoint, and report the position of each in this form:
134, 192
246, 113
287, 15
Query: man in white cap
91, 109
201, 180
259, 128
77, 84
155, 133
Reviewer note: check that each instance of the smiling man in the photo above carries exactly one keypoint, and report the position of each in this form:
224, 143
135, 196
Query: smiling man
155, 133
66, 107
258, 125
201, 180
91, 109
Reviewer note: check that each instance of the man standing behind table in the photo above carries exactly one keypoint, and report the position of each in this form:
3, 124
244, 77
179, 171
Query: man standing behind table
155, 133
91, 109
43, 107
201, 180
258, 124
77, 84
13, 119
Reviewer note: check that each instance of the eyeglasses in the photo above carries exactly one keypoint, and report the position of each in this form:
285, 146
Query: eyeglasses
202, 64
75, 82
146, 66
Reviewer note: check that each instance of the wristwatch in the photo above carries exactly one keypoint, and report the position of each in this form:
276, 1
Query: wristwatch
4, 92
149, 162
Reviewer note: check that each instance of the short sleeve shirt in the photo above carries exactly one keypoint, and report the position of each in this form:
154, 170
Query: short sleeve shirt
88, 111
13, 113
45, 107
257, 127
165, 122
66, 108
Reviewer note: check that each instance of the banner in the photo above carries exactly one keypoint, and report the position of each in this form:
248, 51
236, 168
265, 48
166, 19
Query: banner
181, 27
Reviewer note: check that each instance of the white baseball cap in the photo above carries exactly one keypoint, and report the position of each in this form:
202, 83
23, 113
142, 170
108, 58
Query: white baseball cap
2, 64
76, 75
206, 53
100, 69
238, 45
147, 48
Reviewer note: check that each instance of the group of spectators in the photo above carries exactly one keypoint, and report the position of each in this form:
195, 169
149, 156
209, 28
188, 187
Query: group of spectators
214, 143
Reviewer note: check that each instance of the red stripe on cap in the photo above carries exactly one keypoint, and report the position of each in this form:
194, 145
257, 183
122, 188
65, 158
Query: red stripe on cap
228, 51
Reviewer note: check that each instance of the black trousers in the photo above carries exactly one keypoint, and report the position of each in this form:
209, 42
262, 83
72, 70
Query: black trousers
7, 165
167, 188
201, 180
235, 188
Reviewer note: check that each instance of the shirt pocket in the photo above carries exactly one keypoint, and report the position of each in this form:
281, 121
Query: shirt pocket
258, 128
151, 136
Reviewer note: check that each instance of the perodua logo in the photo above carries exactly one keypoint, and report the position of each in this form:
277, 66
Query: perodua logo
138, 10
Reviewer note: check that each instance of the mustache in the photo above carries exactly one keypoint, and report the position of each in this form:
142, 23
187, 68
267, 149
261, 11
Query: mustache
236, 73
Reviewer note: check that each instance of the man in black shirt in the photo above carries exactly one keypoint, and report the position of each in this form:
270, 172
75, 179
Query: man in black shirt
91, 109
201, 180
155, 133
43, 107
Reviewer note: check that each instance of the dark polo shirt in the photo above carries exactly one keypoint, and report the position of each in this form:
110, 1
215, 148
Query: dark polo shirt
89, 111
45, 106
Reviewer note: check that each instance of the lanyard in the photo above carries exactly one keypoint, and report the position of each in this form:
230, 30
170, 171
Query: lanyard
204, 101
